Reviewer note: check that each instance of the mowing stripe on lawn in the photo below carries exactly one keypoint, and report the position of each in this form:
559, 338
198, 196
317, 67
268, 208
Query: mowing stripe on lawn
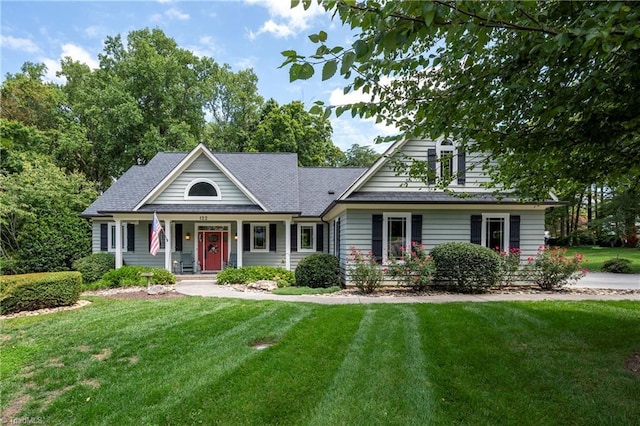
376, 384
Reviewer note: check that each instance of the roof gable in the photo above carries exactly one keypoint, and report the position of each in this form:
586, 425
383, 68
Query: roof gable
183, 165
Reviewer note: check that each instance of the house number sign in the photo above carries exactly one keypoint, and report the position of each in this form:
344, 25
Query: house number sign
204, 217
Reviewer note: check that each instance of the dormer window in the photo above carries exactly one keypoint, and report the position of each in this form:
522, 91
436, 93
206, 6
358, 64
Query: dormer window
202, 190
448, 163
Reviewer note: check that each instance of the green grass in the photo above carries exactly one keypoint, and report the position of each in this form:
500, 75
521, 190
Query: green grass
596, 256
190, 361
297, 291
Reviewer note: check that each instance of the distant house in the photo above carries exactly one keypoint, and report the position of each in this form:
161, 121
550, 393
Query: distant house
241, 209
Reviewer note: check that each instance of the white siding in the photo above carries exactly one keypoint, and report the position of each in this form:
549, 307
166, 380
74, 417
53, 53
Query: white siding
385, 178
202, 167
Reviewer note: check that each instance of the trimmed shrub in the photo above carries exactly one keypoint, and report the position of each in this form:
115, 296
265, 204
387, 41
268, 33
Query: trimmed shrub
466, 267
37, 291
94, 266
318, 270
129, 276
251, 274
617, 265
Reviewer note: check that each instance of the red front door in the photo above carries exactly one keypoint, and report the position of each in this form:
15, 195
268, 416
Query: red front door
212, 249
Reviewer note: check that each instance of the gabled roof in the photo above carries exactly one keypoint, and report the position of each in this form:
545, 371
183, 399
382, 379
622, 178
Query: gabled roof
182, 166
320, 186
134, 185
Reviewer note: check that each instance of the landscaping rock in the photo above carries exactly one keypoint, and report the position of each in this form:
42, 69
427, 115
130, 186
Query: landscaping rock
265, 285
156, 289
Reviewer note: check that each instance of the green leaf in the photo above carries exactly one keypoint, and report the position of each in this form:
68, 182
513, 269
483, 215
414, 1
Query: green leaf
294, 3
294, 72
329, 69
347, 61
429, 16
314, 38
322, 36
289, 53
306, 72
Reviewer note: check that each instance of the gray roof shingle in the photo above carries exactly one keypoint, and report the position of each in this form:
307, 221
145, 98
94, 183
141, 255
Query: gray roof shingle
271, 177
319, 186
135, 184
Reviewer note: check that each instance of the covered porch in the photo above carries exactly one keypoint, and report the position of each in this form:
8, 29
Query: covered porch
205, 244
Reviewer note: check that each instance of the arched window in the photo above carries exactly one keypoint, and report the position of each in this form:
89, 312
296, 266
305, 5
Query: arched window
202, 190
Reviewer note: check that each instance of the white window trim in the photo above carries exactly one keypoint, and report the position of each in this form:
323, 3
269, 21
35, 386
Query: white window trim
201, 198
110, 237
266, 238
313, 237
440, 150
506, 236
385, 230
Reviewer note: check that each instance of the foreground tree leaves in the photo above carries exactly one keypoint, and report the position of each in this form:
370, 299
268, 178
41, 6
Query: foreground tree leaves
548, 87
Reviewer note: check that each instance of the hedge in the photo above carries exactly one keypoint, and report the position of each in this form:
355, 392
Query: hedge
318, 270
466, 267
250, 274
94, 266
37, 291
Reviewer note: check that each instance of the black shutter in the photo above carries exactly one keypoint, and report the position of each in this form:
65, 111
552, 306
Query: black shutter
319, 237
246, 237
294, 237
431, 162
104, 237
131, 237
337, 248
416, 228
376, 237
514, 232
273, 236
476, 229
178, 238
462, 168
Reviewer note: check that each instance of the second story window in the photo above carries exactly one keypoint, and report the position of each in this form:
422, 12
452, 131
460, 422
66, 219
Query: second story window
202, 190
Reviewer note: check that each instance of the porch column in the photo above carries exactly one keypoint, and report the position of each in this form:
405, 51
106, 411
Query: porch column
239, 247
118, 243
167, 245
287, 244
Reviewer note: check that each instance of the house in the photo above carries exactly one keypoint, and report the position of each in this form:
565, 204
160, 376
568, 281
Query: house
243, 209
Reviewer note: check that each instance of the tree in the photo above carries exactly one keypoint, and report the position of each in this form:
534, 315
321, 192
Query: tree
234, 104
548, 87
40, 227
146, 96
359, 156
290, 128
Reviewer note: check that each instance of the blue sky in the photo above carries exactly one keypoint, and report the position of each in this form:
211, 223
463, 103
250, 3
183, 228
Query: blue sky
248, 33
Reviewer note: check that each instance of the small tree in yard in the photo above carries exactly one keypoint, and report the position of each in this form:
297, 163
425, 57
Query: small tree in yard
365, 272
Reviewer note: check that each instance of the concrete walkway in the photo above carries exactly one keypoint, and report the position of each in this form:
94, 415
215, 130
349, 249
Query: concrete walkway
595, 280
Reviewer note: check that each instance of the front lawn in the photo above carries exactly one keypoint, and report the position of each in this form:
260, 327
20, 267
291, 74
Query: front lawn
596, 256
192, 360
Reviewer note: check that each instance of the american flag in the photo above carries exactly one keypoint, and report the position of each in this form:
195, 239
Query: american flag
156, 229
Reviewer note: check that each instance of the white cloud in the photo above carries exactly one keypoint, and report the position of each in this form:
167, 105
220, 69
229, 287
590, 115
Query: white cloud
285, 21
170, 14
75, 52
174, 13
347, 131
95, 31
245, 63
16, 43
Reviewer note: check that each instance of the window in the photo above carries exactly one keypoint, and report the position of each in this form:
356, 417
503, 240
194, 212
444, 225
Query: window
396, 232
306, 238
446, 154
495, 231
112, 236
202, 190
259, 237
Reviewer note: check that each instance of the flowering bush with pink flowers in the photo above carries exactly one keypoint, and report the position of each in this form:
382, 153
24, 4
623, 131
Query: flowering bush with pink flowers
414, 268
552, 268
365, 271
510, 265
